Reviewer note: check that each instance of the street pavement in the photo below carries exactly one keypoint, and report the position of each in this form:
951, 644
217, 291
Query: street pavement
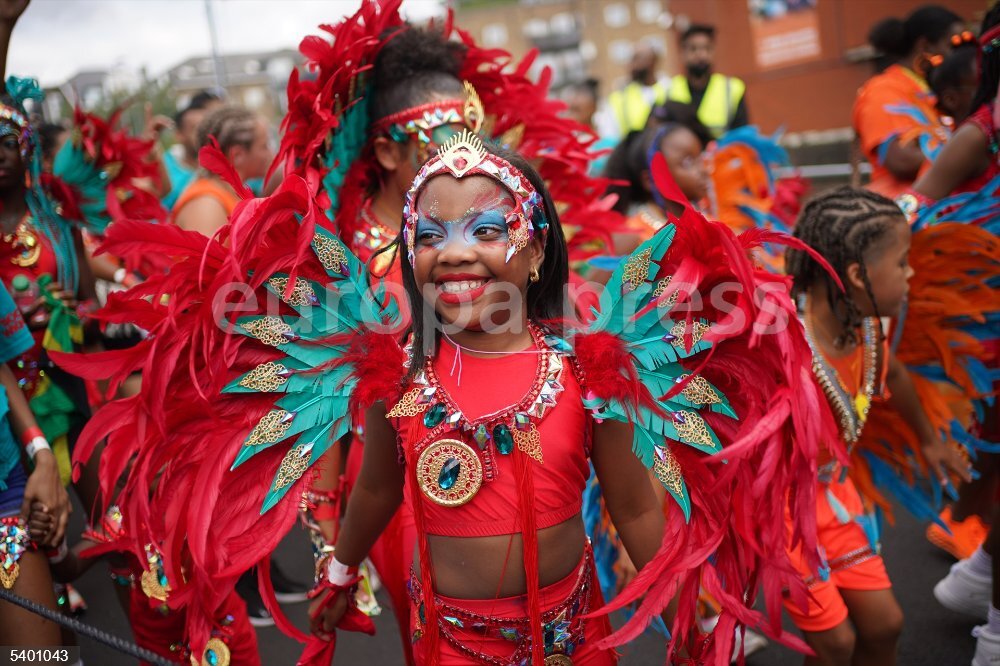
933, 636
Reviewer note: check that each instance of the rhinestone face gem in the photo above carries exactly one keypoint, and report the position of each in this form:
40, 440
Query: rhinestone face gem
449, 473
482, 436
435, 415
504, 439
522, 421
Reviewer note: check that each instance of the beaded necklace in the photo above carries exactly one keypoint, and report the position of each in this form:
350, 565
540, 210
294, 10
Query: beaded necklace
449, 470
852, 411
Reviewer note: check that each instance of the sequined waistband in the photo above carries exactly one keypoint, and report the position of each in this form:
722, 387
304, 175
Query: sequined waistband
562, 626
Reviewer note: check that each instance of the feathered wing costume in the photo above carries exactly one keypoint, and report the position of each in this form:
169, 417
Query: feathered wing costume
263, 374
747, 191
947, 339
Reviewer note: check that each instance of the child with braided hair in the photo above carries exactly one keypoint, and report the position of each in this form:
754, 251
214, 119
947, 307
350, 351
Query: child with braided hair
205, 204
852, 615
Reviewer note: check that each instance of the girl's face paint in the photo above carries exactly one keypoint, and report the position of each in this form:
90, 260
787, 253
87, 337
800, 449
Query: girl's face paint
484, 221
460, 249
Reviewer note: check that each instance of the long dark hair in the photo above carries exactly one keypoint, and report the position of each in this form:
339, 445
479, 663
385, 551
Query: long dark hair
545, 298
841, 225
989, 66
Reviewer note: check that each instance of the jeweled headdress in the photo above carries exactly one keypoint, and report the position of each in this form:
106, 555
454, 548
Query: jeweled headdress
464, 155
421, 121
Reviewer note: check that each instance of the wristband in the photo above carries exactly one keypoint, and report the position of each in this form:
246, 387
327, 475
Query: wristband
35, 445
120, 275
339, 574
31, 433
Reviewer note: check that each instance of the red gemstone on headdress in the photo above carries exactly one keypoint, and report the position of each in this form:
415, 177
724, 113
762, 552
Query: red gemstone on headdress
460, 163
514, 224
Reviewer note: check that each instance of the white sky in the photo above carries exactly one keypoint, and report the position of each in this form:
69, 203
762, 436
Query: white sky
55, 39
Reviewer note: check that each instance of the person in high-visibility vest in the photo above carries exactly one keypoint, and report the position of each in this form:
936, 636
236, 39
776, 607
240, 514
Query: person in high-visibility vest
628, 108
720, 100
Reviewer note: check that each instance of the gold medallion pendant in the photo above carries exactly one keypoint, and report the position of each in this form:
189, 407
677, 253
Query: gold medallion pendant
449, 472
558, 660
25, 244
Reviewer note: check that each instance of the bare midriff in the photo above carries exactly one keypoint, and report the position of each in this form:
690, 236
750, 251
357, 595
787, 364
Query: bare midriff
492, 567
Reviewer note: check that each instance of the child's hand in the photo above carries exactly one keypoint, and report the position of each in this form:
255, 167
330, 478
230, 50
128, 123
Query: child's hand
625, 569
40, 522
324, 615
943, 458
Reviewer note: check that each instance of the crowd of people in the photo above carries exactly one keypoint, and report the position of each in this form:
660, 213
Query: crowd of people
522, 363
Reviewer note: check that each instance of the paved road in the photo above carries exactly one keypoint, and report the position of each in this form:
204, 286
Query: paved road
932, 636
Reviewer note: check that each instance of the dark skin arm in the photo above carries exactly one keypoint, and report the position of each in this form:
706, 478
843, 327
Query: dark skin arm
374, 500
940, 457
965, 156
904, 161
10, 11
632, 504
44, 486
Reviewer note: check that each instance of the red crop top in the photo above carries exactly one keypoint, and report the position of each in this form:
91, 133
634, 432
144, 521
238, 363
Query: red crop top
485, 385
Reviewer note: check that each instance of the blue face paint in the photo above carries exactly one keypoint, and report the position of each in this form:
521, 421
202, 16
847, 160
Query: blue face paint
472, 229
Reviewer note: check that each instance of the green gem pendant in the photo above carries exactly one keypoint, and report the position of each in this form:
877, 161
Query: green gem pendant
504, 439
435, 415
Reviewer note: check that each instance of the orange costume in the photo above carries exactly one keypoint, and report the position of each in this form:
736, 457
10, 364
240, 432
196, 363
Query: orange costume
845, 531
896, 105
206, 187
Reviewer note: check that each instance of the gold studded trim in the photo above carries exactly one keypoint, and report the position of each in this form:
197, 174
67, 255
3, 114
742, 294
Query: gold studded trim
668, 471
330, 252
302, 293
268, 330
678, 330
270, 429
529, 441
293, 465
265, 377
699, 392
661, 287
694, 429
636, 269
407, 405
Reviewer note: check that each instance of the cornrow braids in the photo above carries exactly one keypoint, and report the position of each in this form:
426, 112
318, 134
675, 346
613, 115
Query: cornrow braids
231, 126
841, 225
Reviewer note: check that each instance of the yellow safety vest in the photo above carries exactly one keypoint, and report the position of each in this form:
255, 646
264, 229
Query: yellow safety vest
631, 108
718, 106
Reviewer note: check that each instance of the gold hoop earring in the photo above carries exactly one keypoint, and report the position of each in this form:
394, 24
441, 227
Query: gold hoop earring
533, 275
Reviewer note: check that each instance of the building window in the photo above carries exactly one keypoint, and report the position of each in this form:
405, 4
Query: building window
648, 11
620, 51
563, 23
616, 15
588, 50
495, 34
254, 98
536, 29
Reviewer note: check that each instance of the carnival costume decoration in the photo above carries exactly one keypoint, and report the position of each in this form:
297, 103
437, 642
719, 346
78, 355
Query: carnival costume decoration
101, 164
947, 339
218, 471
747, 191
326, 131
